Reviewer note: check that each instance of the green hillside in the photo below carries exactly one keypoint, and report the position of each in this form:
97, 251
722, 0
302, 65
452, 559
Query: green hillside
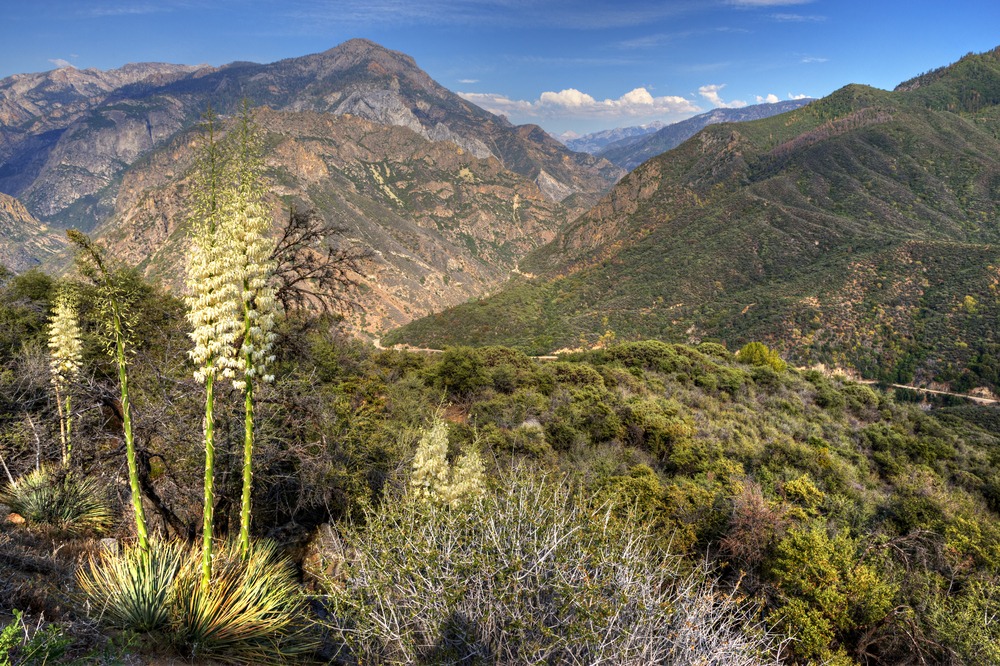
860, 230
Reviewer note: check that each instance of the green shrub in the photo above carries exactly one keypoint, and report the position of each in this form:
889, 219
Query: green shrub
24, 646
57, 498
826, 591
461, 372
757, 353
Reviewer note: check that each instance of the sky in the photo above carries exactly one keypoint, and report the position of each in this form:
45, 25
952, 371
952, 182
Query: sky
568, 65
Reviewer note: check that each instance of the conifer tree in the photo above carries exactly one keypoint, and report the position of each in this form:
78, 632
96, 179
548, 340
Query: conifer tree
65, 350
212, 302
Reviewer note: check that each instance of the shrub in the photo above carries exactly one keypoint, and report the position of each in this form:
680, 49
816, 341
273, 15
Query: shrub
757, 353
60, 499
526, 575
461, 372
20, 645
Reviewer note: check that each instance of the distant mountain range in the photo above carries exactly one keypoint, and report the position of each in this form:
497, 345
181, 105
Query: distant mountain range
595, 141
860, 230
630, 151
449, 196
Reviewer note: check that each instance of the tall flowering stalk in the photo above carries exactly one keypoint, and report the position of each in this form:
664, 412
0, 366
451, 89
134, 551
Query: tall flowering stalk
116, 299
212, 302
248, 222
65, 351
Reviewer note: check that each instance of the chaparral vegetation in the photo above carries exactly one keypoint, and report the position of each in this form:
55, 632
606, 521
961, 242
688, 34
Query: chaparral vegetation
226, 475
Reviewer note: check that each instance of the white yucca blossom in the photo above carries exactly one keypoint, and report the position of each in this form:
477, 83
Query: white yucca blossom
213, 293
430, 464
247, 225
65, 347
435, 481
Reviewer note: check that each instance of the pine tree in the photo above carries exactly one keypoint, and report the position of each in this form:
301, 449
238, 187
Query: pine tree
65, 351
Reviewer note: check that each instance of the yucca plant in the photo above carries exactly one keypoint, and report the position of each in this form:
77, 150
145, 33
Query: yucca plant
251, 612
116, 301
65, 352
248, 222
133, 589
212, 303
60, 499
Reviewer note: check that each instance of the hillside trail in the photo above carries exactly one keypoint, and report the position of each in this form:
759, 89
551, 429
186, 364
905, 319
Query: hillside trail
978, 399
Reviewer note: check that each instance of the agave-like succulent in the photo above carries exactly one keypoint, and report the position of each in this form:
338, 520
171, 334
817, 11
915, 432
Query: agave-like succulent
60, 499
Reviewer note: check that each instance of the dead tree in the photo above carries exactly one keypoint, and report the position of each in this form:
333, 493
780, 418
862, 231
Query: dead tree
314, 268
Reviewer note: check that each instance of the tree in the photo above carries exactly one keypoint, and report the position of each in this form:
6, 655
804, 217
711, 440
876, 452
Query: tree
116, 298
65, 350
311, 268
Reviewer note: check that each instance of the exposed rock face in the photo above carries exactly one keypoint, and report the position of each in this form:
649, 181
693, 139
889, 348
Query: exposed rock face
67, 137
24, 241
445, 226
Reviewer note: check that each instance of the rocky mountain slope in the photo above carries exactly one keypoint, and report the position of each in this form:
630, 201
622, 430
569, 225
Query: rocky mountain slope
630, 152
24, 241
444, 225
860, 230
69, 136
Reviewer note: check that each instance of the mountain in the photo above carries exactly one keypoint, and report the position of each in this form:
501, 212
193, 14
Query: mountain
443, 224
68, 136
594, 142
23, 239
630, 152
860, 230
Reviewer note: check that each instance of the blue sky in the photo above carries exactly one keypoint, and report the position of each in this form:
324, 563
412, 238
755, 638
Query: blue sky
568, 65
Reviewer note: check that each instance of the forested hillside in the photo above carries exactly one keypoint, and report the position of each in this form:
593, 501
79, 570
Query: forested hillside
859, 231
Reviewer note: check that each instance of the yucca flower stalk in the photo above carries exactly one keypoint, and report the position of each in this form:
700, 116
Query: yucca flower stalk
115, 301
213, 302
248, 223
65, 352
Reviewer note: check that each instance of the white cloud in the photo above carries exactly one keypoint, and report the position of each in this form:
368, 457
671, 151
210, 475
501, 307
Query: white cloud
60, 63
711, 93
770, 99
468, 81
572, 103
797, 18
812, 59
799, 96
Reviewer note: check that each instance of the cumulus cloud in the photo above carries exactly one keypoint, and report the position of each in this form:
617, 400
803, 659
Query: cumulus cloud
770, 99
572, 103
60, 63
711, 93
799, 96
